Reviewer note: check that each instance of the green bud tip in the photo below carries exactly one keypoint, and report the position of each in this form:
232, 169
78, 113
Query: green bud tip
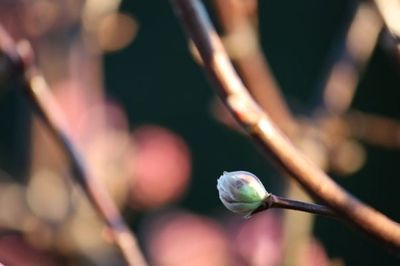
241, 192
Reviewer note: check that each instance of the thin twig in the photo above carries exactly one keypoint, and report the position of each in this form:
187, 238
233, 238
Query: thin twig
273, 201
46, 107
258, 124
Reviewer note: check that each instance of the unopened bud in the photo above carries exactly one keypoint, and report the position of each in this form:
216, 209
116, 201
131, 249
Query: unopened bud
241, 192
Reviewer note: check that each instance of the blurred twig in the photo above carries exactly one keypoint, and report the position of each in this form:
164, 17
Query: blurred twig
258, 124
355, 51
239, 20
46, 107
364, 126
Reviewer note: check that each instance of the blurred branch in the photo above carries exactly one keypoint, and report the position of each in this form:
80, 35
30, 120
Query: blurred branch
38, 94
364, 126
355, 51
239, 20
258, 124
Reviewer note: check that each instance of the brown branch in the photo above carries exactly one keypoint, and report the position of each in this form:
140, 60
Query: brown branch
39, 95
258, 124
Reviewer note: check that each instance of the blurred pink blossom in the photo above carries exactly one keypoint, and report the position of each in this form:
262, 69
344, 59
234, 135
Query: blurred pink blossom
187, 239
313, 254
160, 168
258, 240
15, 251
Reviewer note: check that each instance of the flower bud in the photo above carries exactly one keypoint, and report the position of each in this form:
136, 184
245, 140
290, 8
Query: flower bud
241, 192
